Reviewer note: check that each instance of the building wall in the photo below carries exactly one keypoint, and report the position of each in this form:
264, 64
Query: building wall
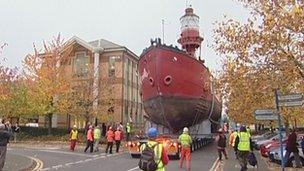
121, 89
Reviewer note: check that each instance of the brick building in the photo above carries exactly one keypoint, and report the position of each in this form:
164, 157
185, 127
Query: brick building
110, 71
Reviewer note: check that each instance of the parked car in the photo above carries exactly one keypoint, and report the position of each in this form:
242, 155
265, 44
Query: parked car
275, 156
264, 136
267, 141
267, 147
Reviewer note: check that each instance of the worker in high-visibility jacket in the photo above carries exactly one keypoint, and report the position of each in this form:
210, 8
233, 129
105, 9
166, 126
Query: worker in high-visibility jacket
118, 137
243, 147
97, 136
128, 131
232, 138
110, 138
185, 140
74, 137
161, 156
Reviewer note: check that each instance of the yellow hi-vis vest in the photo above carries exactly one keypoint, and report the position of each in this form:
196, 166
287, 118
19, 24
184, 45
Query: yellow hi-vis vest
128, 128
244, 141
97, 133
185, 140
158, 154
74, 134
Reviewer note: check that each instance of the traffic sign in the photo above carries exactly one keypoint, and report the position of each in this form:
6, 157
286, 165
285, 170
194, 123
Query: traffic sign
267, 117
291, 100
291, 97
264, 112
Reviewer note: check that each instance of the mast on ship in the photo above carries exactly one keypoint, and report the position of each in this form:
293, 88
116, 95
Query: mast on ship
190, 38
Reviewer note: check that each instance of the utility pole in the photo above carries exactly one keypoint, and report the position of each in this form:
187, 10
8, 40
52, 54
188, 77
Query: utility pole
163, 30
280, 127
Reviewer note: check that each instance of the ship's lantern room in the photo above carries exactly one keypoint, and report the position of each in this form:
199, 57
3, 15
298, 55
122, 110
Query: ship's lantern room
189, 20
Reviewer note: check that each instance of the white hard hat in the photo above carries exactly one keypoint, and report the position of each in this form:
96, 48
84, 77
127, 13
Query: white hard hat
185, 129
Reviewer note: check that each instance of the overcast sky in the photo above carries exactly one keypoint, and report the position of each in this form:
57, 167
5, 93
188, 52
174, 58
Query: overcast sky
130, 23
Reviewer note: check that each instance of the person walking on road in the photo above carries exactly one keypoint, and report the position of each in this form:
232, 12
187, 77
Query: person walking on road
243, 147
110, 139
185, 141
103, 129
4, 139
128, 131
118, 137
232, 140
73, 138
90, 139
15, 130
221, 144
97, 136
291, 147
159, 157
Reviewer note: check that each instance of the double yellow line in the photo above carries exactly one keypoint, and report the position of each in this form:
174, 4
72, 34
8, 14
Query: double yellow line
39, 164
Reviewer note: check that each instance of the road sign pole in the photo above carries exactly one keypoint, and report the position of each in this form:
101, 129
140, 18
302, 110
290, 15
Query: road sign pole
280, 128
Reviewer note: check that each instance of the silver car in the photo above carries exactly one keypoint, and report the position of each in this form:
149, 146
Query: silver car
275, 156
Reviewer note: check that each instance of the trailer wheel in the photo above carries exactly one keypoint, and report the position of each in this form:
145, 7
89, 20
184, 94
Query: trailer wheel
178, 156
134, 156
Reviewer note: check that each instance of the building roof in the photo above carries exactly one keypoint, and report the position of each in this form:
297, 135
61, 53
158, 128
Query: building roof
100, 45
105, 44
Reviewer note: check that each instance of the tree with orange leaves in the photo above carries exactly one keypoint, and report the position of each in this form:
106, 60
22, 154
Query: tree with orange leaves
261, 55
49, 88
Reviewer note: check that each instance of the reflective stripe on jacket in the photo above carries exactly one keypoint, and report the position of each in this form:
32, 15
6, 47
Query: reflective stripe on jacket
244, 141
185, 140
158, 154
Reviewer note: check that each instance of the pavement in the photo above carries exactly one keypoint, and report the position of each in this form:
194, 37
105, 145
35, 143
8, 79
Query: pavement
17, 162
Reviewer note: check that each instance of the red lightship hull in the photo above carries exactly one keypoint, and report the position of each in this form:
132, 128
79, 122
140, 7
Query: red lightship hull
176, 89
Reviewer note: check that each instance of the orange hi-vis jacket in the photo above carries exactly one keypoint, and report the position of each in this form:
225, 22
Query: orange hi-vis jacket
110, 136
90, 135
118, 135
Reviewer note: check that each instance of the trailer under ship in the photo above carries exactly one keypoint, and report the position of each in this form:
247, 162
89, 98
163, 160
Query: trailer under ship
176, 86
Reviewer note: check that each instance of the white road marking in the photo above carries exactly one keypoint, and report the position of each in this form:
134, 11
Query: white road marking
135, 168
58, 166
215, 165
65, 152
93, 157
67, 164
86, 160
79, 162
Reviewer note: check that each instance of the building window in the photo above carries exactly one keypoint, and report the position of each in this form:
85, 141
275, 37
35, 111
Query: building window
112, 66
81, 64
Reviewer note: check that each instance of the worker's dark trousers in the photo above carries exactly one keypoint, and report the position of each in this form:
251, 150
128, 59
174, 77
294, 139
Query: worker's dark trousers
243, 159
109, 145
128, 136
89, 144
117, 145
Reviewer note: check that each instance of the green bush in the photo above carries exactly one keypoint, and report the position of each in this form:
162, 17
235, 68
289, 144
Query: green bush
41, 134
